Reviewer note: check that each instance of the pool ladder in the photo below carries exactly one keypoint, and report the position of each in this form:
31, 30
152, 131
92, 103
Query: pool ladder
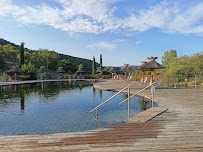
127, 87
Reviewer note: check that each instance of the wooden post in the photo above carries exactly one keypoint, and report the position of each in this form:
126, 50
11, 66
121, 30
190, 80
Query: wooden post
112, 75
42, 76
152, 74
125, 75
142, 78
128, 102
15, 76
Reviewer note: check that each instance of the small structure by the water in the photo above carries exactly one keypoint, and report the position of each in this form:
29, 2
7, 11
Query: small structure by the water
80, 71
15, 70
98, 70
139, 68
60, 70
112, 70
131, 70
151, 65
42, 70
1, 71
126, 69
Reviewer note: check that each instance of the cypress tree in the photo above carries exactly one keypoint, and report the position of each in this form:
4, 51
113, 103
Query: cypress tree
101, 61
22, 58
93, 65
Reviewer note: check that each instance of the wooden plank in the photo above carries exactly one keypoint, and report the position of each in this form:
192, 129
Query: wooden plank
147, 115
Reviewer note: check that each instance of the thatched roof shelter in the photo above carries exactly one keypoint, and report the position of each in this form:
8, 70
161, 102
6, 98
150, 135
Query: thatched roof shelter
112, 70
61, 70
1, 70
80, 70
99, 70
143, 63
42, 70
126, 69
15, 69
139, 68
151, 65
130, 69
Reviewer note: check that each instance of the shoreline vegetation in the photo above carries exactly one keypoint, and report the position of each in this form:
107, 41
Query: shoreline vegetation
180, 70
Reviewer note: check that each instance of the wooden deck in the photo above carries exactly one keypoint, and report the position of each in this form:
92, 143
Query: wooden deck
179, 129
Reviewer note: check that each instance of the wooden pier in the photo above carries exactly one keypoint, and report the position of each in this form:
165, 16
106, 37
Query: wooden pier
179, 129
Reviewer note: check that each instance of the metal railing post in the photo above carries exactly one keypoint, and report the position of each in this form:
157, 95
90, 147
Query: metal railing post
152, 99
128, 102
153, 91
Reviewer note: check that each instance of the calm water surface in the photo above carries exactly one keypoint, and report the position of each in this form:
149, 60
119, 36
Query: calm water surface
58, 107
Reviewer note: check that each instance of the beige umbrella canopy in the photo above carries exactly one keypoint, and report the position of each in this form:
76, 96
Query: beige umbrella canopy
125, 69
15, 70
151, 65
112, 70
99, 70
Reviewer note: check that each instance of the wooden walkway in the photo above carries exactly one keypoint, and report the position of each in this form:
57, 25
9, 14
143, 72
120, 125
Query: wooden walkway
179, 129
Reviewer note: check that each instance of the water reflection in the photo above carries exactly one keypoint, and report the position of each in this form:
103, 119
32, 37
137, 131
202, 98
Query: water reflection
44, 89
100, 93
22, 100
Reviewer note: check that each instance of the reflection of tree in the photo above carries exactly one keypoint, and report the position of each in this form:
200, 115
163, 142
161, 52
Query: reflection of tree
22, 100
47, 89
143, 104
100, 94
93, 92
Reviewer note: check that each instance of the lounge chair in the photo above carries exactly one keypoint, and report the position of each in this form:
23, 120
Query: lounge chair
130, 78
158, 82
140, 82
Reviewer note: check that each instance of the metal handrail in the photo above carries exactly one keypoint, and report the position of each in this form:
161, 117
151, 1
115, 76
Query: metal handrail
137, 92
110, 98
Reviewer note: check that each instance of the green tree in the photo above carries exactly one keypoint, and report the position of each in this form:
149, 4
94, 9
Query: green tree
101, 61
22, 57
93, 65
80, 65
168, 57
28, 69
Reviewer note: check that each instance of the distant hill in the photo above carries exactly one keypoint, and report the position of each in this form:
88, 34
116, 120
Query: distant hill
74, 60
5, 42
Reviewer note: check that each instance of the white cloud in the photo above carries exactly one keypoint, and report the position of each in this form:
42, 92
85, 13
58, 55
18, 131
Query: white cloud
120, 40
102, 45
138, 42
99, 16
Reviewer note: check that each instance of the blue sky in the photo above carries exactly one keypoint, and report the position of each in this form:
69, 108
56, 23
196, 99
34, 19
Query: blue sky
123, 31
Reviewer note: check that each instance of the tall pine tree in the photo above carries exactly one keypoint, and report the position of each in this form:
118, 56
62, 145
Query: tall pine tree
22, 50
101, 61
93, 65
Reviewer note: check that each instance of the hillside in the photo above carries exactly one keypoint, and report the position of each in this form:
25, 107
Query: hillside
10, 54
